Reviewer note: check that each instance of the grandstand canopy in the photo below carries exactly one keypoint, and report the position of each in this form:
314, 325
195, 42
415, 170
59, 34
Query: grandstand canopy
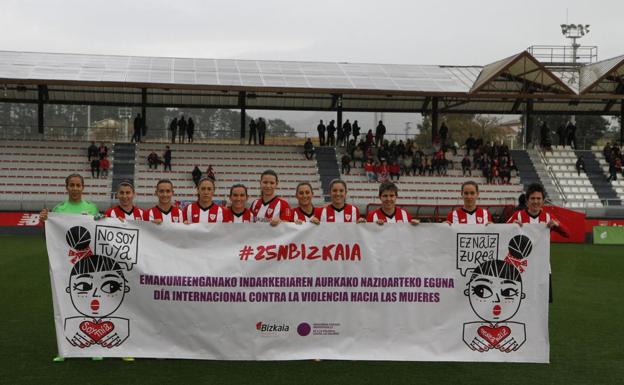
512, 85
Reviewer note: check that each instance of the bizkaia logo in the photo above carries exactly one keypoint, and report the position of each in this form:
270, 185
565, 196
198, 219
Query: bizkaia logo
271, 327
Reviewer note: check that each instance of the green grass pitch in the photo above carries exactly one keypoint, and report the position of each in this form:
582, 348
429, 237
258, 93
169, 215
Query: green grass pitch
586, 335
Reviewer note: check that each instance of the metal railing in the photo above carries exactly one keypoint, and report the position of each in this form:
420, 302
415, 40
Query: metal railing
553, 177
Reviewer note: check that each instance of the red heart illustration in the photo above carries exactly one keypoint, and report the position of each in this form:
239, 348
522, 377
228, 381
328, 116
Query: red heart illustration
96, 330
494, 335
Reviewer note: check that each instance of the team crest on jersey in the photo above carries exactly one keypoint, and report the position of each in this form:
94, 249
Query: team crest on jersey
175, 219
269, 211
348, 217
479, 219
195, 215
212, 216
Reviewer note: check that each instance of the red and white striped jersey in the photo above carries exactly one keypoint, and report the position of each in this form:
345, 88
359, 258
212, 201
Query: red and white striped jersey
523, 216
299, 214
275, 208
136, 214
174, 215
245, 217
348, 213
399, 216
477, 217
214, 213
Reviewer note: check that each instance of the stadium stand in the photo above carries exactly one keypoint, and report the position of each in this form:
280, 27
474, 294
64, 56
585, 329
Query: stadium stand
232, 164
617, 185
432, 190
577, 189
32, 174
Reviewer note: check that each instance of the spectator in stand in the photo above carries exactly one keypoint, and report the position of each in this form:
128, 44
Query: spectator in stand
417, 163
345, 162
95, 168
612, 171
383, 171
561, 134
102, 151
136, 137
104, 166
444, 131
92, 151
308, 149
512, 166
606, 151
380, 131
358, 155
394, 170
580, 165
152, 160
339, 135
196, 174
495, 173
448, 159
369, 138
427, 166
471, 144
369, 168
182, 129
382, 153
210, 173
167, 158
321, 133
505, 173
252, 131
571, 130
618, 165
407, 165
545, 136
356, 130
262, 127
465, 163
487, 172
346, 131
190, 130
331, 134
173, 127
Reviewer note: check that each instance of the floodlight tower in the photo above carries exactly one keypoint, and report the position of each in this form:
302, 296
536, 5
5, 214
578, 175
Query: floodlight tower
574, 32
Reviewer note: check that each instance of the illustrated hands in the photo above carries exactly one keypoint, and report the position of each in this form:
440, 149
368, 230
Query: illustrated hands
119, 334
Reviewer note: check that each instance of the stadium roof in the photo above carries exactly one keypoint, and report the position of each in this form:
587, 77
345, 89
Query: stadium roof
500, 87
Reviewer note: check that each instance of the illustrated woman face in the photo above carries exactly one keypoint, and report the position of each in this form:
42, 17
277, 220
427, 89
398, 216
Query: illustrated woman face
494, 299
97, 294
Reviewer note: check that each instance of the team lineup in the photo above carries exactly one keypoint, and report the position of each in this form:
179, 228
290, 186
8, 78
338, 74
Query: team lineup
273, 209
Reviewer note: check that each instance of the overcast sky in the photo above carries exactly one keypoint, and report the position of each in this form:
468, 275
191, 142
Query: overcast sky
417, 32
452, 32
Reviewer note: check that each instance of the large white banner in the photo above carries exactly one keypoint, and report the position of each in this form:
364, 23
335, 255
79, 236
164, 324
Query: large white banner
431, 292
